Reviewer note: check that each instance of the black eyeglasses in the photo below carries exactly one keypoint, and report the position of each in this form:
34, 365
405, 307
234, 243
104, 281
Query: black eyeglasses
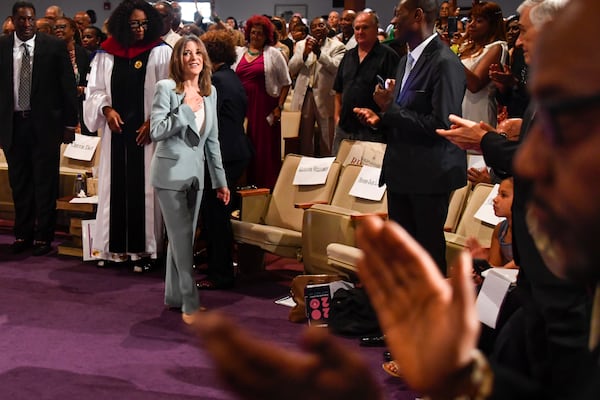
557, 116
136, 24
60, 27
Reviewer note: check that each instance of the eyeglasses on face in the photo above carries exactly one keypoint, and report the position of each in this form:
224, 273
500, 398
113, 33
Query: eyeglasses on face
556, 117
136, 24
60, 27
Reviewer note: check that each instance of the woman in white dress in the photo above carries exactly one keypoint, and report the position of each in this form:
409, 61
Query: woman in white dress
119, 97
485, 45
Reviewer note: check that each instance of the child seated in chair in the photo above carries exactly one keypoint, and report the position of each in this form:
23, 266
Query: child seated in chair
500, 252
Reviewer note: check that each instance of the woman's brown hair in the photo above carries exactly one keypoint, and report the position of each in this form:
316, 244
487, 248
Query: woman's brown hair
176, 65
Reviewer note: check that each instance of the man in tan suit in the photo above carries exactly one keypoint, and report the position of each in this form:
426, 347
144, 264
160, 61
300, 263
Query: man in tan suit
315, 64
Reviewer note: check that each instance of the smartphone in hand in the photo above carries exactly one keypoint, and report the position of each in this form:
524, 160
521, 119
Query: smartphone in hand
381, 82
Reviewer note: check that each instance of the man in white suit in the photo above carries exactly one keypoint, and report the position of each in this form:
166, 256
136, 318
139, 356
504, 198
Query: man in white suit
315, 64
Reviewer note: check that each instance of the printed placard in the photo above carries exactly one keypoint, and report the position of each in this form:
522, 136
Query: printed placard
313, 171
82, 148
318, 301
367, 186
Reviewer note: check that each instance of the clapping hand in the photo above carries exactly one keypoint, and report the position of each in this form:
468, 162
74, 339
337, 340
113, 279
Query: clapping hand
430, 323
255, 369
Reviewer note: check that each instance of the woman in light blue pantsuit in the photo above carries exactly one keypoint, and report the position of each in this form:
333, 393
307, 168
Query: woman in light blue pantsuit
184, 125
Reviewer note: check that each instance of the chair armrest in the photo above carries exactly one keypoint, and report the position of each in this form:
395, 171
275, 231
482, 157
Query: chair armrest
356, 218
253, 192
305, 206
253, 204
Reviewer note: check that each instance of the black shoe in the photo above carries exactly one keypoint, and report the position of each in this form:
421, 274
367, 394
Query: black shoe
20, 245
41, 248
372, 341
387, 356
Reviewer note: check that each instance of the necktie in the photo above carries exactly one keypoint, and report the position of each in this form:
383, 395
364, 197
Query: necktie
25, 79
409, 65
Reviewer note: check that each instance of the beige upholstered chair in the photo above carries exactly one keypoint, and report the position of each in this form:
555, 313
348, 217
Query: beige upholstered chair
335, 223
469, 226
273, 222
333, 226
360, 153
458, 200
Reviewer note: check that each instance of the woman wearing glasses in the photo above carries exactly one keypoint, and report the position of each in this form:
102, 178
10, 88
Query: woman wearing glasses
118, 101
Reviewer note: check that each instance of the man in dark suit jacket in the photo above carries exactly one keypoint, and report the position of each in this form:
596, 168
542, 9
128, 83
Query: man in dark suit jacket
420, 168
36, 121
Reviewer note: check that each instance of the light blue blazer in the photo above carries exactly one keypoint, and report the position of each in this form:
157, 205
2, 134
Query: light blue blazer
181, 146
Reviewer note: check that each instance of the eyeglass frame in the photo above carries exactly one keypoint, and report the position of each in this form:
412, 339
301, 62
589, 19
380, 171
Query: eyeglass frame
136, 24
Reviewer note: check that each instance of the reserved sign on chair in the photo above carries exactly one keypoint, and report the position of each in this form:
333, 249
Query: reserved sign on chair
367, 186
313, 171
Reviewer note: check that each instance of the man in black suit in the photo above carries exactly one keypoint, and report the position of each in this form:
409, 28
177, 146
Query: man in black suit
420, 168
39, 111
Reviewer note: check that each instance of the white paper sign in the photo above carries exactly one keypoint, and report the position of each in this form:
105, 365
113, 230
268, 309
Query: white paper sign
313, 171
490, 298
486, 211
367, 186
82, 148
84, 200
87, 237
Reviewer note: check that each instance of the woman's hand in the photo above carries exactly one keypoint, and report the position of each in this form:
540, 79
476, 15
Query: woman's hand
143, 134
194, 100
113, 119
223, 194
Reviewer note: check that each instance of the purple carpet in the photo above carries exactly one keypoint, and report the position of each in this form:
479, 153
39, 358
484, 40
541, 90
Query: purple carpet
69, 330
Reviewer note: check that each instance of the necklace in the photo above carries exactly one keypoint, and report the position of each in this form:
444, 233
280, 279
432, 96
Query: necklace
253, 53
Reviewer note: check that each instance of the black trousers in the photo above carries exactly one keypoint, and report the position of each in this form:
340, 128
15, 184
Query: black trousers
423, 216
216, 225
33, 173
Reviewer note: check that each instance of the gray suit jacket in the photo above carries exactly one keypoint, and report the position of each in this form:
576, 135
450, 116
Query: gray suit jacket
182, 148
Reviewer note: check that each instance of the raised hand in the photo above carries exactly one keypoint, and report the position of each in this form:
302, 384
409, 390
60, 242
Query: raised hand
255, 369
430, 323
464, 133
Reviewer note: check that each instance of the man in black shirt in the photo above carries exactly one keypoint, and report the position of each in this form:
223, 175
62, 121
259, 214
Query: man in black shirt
357, 77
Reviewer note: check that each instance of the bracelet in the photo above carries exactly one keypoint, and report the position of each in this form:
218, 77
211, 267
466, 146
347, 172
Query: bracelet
474, 382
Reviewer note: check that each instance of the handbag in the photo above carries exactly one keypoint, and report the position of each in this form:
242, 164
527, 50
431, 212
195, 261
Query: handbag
299, 283
352, 314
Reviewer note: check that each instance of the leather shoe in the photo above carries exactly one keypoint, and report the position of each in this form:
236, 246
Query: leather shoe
372, 341
41, 248
387, 356
20, 245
